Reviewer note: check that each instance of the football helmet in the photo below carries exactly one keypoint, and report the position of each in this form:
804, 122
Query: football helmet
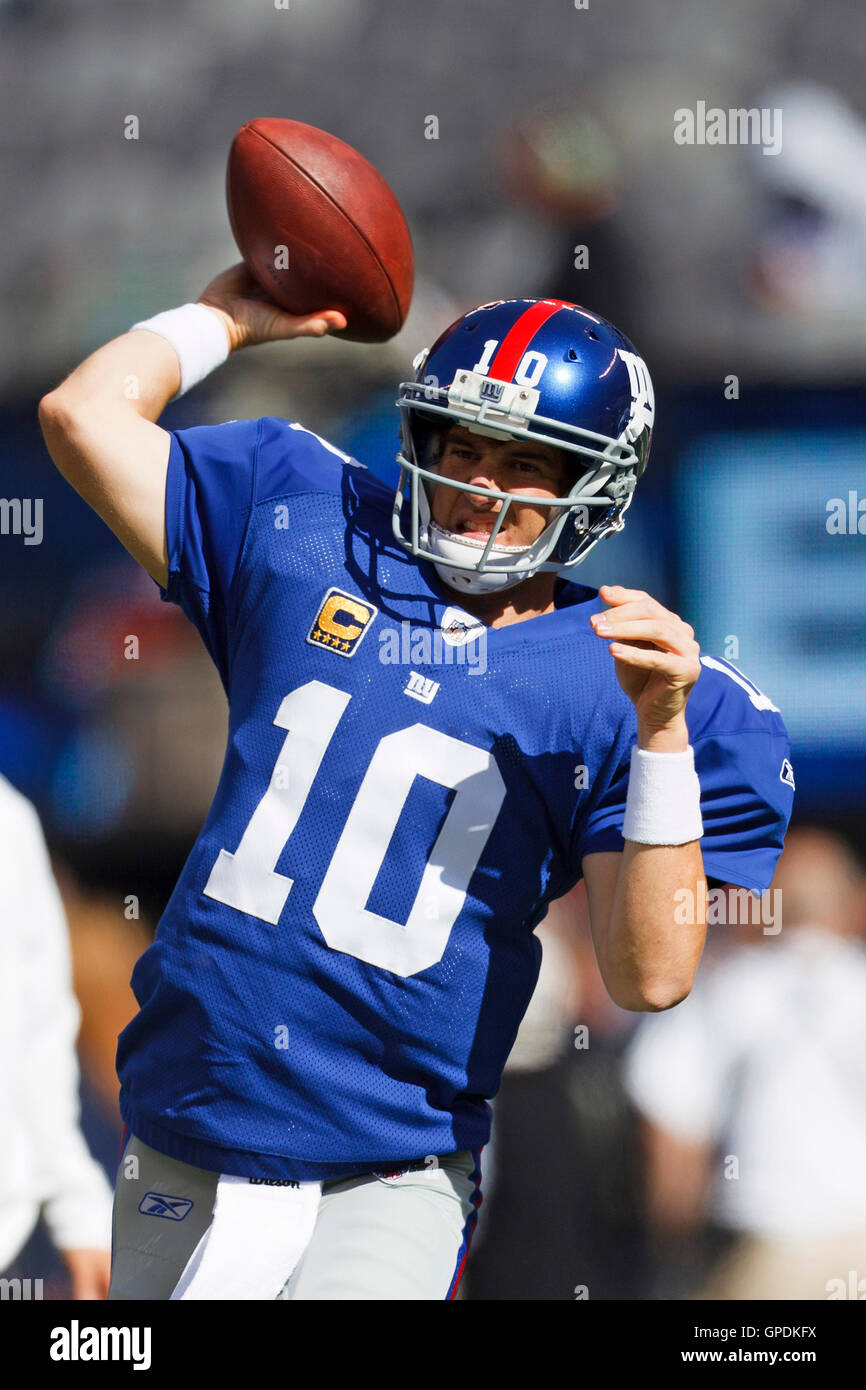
537, 369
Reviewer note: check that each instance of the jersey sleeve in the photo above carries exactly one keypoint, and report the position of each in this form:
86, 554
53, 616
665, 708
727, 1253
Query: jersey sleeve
743, 762
208, 501
217, 475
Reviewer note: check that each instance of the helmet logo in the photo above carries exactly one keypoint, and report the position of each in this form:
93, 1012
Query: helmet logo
642, 397
492, 390
496, 404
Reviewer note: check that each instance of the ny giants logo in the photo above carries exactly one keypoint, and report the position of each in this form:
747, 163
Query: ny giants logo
491, 390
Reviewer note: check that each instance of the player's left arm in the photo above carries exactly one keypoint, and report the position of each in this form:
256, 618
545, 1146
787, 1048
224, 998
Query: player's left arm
646, 955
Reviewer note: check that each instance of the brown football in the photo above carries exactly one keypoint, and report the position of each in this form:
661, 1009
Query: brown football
318, 227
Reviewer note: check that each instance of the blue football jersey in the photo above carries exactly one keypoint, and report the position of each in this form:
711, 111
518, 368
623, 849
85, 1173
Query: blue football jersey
340, 973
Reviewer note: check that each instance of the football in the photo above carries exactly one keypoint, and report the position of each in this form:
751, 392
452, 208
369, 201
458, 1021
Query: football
318, 227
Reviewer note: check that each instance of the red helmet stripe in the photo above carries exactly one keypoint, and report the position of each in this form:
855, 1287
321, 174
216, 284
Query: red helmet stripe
520, 335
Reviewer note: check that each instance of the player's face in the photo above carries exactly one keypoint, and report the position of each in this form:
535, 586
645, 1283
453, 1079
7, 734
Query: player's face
536, 470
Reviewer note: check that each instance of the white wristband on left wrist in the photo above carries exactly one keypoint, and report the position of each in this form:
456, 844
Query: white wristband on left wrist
663, 803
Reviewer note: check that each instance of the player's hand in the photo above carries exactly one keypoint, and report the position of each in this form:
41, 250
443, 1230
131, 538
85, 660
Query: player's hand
657, 663
90, 1272
250, 317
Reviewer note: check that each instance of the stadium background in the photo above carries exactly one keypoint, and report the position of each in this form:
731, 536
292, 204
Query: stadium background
553, 132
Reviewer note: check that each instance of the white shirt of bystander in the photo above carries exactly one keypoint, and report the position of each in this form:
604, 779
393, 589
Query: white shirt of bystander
45, 1165
765, 1061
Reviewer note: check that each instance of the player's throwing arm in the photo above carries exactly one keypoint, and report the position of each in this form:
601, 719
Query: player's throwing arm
99, 424
647, 959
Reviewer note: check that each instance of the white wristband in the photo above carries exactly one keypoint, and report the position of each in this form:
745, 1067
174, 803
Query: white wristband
663, 805
198, 336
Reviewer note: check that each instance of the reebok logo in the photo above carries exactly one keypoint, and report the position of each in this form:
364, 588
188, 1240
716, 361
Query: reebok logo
158, 1204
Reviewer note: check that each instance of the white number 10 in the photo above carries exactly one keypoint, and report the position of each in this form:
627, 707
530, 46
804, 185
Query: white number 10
247, 879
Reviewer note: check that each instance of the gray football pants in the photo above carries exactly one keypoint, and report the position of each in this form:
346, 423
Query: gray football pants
374, 1238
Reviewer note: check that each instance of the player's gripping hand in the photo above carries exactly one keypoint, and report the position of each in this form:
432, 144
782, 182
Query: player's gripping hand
250, 317
657, 663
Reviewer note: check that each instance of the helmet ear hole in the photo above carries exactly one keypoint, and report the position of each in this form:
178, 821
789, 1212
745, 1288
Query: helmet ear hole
572, 469
426, 431
567, 540
433, 442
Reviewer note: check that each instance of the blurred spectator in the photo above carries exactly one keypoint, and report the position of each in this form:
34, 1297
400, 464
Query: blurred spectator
45, 1165
754, 1096
810, 257
561, 1213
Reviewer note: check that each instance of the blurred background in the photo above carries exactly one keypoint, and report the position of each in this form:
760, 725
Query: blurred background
550, 169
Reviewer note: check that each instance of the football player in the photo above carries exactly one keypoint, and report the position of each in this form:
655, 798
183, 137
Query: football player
434, 732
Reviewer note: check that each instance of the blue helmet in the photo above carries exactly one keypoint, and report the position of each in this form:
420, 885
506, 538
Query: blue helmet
538, 369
